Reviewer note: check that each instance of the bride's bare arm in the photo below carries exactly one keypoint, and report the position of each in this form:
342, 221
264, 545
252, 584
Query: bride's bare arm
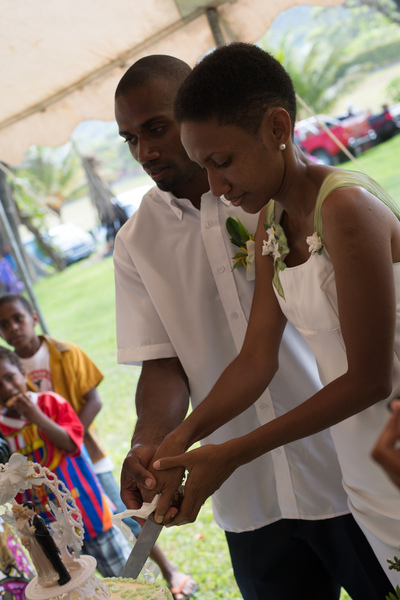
362, 238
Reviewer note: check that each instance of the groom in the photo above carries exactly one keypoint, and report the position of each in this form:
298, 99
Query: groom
46, 542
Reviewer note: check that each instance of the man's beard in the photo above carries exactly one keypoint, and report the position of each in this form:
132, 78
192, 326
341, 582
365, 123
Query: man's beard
178, 182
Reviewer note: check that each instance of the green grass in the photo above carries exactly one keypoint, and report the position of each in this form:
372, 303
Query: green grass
382, 164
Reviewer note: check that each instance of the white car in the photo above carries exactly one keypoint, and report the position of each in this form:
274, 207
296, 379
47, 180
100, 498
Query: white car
72, 242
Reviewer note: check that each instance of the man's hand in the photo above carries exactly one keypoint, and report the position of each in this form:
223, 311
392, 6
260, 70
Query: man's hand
137, 482
387, 448
162, 399
139, 485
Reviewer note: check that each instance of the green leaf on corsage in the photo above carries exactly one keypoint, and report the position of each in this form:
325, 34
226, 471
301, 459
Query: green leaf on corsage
240, 237
238, 232
240, 260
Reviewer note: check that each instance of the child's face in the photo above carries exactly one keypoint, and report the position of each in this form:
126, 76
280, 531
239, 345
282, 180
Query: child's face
17, 325
12, 382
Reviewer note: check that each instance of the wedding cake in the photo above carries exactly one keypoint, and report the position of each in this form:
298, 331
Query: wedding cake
135, 589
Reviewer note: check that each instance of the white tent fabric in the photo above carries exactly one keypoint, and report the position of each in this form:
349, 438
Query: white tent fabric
61, 60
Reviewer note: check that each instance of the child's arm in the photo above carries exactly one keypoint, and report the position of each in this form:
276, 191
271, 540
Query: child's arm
386, 451
54, 432
91, 407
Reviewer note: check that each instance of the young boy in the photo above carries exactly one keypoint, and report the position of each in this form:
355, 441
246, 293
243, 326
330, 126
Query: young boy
64, 368
44, 428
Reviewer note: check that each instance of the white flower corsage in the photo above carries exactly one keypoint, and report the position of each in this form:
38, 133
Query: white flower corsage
276, 246
315, 243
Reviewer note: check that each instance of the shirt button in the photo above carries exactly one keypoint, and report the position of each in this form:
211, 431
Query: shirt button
208, 224
234, 315
221, 269
263, 406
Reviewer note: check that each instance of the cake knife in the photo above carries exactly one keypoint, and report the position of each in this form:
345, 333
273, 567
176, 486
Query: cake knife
141, 550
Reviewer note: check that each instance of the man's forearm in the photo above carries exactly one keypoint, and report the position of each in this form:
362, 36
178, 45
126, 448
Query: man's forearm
162, 400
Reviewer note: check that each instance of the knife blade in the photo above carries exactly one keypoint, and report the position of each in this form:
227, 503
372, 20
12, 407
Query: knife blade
141, 550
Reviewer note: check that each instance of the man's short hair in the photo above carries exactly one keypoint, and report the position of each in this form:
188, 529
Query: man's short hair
155, 66
235, 84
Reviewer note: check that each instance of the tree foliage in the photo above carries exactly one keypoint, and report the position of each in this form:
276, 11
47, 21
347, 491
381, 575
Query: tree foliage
323, 69
393, 89
389, 9
319, 71
53, 175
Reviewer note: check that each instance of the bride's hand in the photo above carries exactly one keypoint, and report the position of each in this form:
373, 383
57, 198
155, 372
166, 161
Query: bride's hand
169, 483
208, 467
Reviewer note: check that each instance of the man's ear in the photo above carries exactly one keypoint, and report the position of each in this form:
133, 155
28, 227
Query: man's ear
277, 125
35, 317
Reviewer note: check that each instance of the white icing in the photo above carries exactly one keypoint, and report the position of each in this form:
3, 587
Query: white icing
130, 589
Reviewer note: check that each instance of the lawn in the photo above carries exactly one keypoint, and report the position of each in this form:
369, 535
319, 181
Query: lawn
382, 163
79, 306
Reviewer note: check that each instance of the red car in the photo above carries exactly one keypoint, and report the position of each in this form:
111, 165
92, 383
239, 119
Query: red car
355, 133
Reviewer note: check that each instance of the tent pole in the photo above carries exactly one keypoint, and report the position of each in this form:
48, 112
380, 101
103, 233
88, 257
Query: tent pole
17, 252
213, 21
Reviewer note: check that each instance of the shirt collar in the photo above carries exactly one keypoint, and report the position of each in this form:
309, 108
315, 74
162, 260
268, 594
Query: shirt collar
179, 205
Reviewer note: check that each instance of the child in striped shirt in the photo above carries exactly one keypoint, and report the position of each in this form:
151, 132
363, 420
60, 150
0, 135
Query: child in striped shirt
45, 428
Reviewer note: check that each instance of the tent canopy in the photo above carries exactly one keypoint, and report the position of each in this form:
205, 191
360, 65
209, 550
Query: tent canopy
61, 61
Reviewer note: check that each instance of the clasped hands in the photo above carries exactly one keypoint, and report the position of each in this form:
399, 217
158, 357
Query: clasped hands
148, 471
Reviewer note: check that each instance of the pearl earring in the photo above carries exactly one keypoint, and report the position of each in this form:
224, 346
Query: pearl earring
282, 147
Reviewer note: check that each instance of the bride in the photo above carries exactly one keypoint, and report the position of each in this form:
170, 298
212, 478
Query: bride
47, 575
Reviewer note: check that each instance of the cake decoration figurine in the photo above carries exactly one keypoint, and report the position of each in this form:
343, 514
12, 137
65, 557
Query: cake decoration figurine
46, 573
42, 540
62, 573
